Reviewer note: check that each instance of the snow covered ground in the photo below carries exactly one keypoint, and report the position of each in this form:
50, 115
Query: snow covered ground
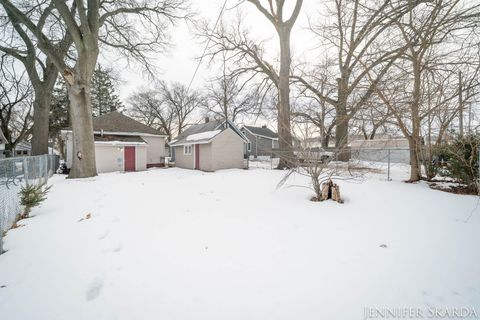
181, 244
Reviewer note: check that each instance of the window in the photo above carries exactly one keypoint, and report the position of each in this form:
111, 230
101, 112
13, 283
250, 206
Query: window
187, 150
249, 147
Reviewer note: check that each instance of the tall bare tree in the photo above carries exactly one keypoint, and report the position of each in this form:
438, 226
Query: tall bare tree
15, 104
409, 92
21, 44
227, 98
167, 107
283, 25
133, 27
353, 32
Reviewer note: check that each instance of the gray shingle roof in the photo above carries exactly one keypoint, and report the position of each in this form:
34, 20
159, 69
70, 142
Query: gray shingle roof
110, 138
261, 131
117, 122
197, 128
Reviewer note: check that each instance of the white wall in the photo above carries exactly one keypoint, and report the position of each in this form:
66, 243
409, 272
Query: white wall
155, 149
109, 158
182, 160
141, 158
227, 151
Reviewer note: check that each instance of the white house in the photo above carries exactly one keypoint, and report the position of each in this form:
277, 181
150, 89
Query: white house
210, 146
122, 144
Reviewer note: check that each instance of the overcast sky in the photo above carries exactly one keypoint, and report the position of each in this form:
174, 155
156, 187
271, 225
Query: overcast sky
180, 62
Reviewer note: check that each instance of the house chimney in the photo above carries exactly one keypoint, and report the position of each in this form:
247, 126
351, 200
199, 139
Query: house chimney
264, 126
207, 119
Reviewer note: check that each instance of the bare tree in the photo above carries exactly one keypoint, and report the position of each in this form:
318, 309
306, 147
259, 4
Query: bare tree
19, 43
407, 93
147, 107
15, 104
274, 12
353, 32
167, 107
89, 24
182, 101
227, 98
313, 108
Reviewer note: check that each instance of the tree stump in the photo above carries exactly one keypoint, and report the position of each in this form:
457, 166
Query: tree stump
331, 190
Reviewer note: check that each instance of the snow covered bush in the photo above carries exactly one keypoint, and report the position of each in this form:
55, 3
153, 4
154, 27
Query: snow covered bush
461, 157
31, 196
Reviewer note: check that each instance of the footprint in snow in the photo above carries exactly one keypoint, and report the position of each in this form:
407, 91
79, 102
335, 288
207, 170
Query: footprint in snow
115, 249
103, 235
94, 289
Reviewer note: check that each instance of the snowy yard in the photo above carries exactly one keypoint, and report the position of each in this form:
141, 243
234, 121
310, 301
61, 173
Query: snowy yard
180, 244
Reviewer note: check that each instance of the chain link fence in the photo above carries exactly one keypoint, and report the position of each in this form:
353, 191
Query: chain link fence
16, 173
380, 161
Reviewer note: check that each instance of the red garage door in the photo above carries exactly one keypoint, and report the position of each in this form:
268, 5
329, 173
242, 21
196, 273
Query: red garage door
129, 158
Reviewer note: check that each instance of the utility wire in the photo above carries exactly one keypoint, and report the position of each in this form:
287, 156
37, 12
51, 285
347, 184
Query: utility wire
206, 46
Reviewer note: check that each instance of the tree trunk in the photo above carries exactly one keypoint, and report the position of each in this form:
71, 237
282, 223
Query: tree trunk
283, 121
83, 164
41, 110
325, 141
43, 89
415, 166
414, 138
341, 121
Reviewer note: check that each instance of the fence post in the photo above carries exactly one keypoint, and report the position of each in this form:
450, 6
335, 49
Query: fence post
25, 170
388, 170
478, 164
1, 240
45, 159
1, 235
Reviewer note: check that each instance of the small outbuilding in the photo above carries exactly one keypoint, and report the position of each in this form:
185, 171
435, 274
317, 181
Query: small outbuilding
122, 144
210, 146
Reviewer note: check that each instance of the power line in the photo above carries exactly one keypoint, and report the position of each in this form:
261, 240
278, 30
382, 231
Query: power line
206, 46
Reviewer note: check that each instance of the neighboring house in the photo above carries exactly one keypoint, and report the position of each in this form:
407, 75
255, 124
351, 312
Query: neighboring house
22, 149
122, 144
209, 146
263, 141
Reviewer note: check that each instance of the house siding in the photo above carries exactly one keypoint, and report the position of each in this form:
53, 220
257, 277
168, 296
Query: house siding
155, 150
227, 151
141, 158
206, 157
260, 146
182, 160
110, 158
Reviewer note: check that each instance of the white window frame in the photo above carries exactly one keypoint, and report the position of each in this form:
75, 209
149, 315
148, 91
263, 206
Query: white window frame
187, 149
249, 146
